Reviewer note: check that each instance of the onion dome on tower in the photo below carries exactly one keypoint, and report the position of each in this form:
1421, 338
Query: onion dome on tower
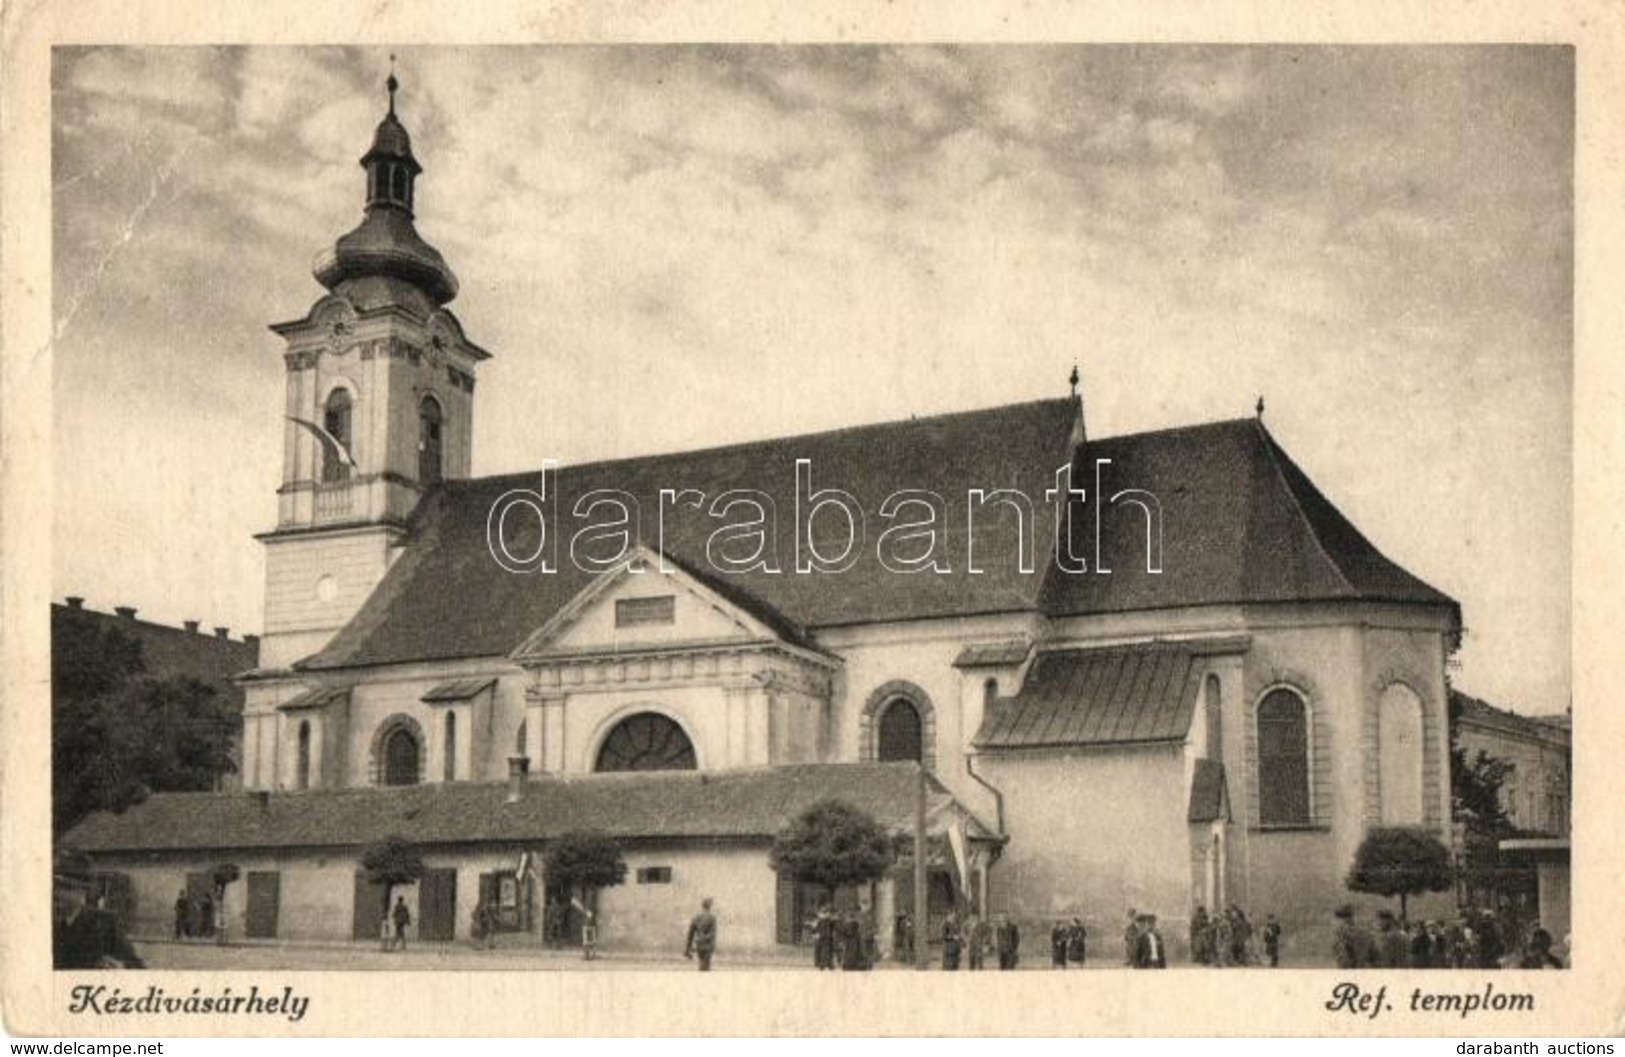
385, 260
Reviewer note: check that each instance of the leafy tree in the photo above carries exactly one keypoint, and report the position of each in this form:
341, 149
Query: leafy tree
135, 736
586, 861
391, 862
1400, 861
222, 875
833, 844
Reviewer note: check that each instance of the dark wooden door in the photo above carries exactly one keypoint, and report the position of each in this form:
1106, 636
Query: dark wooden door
437, 905
369, 907
264, 903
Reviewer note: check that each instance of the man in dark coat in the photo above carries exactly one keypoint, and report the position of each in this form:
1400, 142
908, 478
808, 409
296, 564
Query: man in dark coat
1076, 942
853, 957
1491, 948
183, 915
1272, 940
1057, 944
952, 938
702, 936
1008, 938
1201, 937
979, 941
401, 917
1149, 950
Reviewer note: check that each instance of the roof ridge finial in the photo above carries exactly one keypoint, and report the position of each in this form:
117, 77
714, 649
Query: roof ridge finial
392, 84
1074, 379
1260, 406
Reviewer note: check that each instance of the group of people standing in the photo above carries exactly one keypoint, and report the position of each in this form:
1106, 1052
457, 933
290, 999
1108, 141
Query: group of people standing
845, 939
1068, 943
977, 938
194, 916
1229, 938
1475, 940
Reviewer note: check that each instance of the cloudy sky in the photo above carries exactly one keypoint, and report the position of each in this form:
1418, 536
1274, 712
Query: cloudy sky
673, 247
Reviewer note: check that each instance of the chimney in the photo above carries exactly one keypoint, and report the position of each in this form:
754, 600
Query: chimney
127, 612
221, 633
518, 768
76, 602
251, 641
191, 627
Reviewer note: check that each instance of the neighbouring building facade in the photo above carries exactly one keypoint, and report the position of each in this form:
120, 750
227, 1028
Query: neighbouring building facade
1203, 690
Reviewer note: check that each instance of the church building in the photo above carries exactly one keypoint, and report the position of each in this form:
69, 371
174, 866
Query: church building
1152, 671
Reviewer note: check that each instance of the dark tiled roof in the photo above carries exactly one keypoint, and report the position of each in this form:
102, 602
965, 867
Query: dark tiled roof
168, 651
1241, 523
458, 690
446, 597
320, 697
1466, 710
1105, 696
745, 804
1210, 800
993, 655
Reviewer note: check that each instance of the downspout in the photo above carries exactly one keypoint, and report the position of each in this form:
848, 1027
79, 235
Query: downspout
998, 797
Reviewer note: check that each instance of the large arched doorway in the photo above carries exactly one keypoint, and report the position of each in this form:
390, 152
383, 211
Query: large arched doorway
902, 732
646, 741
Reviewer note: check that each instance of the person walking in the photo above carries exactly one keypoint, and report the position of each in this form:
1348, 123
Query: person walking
702, 936
183, 915
1057, 945
402, 917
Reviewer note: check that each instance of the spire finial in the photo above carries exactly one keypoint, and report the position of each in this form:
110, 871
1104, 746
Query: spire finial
1074, 379
1260, 407
392, 84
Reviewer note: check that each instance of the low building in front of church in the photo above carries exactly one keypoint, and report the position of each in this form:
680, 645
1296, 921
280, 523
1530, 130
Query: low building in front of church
1202, 691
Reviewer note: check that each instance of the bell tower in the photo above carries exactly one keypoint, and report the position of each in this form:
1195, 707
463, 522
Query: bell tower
378, 409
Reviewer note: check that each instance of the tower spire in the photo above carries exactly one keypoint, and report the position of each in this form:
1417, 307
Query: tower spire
392, 84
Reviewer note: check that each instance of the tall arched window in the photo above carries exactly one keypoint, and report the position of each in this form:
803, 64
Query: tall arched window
1283, 760
430, 422
519, 746
449, 769
302, 775
1214, 713
1399, 748
646, 741
336, 420
901, 734
401, 751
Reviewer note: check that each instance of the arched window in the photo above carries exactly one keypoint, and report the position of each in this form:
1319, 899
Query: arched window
1283, 760
450, 766
302, 777
336, 420
430, 422
646, 741
1214, 714
519, 746
901, 735
401, 751
1399, 748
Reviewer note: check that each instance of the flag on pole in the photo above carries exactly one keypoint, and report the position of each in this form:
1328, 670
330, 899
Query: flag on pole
326, 440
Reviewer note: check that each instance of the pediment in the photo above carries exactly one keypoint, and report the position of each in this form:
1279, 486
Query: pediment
648, 604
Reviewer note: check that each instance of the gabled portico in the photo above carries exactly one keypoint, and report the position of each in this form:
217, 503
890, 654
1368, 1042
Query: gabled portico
740, 685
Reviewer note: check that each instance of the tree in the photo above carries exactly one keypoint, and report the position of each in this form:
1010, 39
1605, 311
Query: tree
586, 861
118, 734
1400, 861
392, 861
833, 844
